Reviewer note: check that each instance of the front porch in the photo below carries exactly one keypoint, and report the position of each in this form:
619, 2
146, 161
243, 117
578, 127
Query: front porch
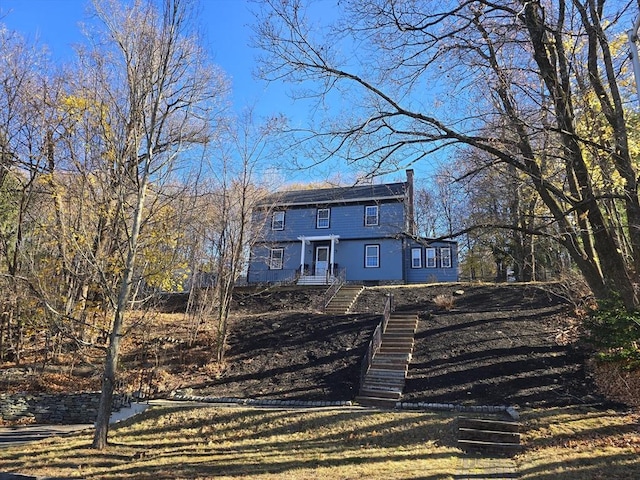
320, 250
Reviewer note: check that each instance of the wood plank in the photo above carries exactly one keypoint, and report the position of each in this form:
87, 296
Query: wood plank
488, 424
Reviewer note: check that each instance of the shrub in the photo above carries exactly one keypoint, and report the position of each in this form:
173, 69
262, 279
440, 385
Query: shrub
615, 330
444, 301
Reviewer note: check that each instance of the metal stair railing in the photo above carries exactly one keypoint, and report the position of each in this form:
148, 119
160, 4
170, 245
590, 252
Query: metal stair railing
338, 281
376, 340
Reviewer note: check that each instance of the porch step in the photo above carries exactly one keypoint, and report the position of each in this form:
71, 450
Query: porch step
489, 435
314, 280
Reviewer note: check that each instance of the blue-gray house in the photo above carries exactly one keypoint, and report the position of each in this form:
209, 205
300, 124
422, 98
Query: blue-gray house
364, 233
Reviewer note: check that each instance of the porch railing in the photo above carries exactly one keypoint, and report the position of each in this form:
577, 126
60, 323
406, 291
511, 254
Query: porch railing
284, 276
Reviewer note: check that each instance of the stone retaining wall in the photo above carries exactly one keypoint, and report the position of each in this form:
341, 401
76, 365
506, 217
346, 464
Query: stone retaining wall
53, 408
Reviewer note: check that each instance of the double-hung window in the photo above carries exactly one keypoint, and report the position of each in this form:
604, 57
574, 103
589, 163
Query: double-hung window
371, 215
431, 257
372, 256
416, 258
276, 257
277, 221
445, 257
322, 218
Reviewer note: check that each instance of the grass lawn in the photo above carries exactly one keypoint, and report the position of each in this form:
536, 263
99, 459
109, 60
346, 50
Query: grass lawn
251, 443
214, 442
564, 443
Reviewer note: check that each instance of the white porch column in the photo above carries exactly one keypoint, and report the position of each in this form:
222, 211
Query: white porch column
303, 249
331, 254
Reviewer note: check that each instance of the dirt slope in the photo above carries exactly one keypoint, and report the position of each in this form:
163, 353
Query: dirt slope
500, 344
507, 344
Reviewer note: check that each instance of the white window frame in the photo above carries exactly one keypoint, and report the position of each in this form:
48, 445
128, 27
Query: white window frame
368, 216
276, 259
320, 218
373, 256
277, 220
431, 259
445, 257
416, 257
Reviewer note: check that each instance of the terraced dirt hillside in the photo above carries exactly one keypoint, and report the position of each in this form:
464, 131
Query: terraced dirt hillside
499, 344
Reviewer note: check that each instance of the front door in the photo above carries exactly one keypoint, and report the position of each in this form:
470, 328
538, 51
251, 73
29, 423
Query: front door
322, 260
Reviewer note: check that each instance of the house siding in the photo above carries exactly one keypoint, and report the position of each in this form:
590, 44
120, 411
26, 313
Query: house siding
351, 255
259, 271
347, 221
431, 274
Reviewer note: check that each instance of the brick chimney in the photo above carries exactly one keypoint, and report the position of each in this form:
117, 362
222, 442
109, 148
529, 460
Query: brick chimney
410, 221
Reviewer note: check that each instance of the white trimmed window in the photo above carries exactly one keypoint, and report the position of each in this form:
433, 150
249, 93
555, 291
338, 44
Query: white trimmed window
277, 221
371, 215
431, 257
322, 218
445, 257
416, 258
276, 256
372, 256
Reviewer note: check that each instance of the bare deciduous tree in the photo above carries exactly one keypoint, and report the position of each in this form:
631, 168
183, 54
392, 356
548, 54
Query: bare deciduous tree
527, 66
226, 230
158, 96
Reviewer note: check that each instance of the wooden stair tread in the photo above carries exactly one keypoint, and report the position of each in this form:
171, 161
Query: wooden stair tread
489, 436
390, 395
376, 402
490, 446
387, 372
488, 424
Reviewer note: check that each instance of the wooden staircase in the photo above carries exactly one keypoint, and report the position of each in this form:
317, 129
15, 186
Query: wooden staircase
489, 436
384, 381
344, 299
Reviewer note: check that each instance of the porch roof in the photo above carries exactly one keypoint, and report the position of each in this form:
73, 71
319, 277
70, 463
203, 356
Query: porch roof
319, 238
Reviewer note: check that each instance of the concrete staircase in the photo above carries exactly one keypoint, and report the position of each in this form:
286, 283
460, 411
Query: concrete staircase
344, 299
489, 436
383, 383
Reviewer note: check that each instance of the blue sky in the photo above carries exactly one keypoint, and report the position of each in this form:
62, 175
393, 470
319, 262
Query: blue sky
55, 23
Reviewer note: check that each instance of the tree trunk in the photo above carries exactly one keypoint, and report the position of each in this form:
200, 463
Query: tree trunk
111, 361
108, 385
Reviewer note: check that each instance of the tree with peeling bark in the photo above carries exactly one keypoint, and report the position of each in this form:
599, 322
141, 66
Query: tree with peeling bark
158, 96
528, 66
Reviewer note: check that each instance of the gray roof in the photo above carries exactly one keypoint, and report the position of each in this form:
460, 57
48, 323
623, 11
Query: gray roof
323, 196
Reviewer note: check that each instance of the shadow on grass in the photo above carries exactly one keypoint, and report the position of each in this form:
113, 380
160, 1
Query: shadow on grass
346, 427
593, 465
170, 442
192, 466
